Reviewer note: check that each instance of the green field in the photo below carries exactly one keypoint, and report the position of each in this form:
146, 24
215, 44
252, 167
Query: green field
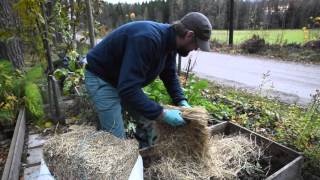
271, 36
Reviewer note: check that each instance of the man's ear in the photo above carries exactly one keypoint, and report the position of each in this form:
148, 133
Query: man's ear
189, 35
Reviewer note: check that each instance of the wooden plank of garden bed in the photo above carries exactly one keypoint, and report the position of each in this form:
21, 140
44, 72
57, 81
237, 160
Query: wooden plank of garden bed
289, 171
12, 167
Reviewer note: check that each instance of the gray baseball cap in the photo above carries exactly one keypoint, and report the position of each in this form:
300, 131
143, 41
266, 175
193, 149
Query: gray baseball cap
201, 26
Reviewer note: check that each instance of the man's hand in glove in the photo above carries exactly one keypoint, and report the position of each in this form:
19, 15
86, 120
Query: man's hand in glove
184, 103
173, 117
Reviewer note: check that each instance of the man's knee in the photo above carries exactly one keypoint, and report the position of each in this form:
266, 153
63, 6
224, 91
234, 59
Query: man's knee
105, 98
111, 121
108, 105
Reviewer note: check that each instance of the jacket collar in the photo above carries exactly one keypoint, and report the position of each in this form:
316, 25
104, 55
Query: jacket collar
171, 39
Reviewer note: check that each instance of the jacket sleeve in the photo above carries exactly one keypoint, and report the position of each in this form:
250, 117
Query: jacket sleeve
135, 65
171, 80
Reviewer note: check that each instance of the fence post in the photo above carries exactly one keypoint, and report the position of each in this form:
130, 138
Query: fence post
50, 66
231, 9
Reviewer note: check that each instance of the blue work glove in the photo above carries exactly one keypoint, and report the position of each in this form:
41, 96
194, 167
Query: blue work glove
173, 117
184, 103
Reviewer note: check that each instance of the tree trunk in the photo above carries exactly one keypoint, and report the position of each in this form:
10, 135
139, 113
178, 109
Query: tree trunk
90, 23
72, 19
13, 52
11, 48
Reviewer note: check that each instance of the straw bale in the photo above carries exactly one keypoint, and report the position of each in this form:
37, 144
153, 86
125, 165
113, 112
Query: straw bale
85, 153
231, 157
228, 158
190, 152
190, 140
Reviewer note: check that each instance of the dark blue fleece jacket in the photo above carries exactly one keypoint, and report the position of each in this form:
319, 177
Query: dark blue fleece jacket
131, 57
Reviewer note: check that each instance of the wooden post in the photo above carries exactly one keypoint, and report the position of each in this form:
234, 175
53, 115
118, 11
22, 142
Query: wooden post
50, 96
90, 23
231, 9
50, 65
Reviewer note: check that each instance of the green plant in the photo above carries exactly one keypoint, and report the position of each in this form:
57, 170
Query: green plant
197, 94
10, 92
33, 101
11, 83
301, 130
34, 74
71, 76
8, 109
194, 90
157, 92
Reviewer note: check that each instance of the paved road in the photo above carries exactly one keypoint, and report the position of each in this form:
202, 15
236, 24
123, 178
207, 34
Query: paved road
291, 82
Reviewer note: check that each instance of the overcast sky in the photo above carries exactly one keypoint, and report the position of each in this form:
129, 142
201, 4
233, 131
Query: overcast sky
127, 1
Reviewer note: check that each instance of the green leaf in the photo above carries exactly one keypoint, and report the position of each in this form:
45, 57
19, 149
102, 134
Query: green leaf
72, 65
40, 17
60, 73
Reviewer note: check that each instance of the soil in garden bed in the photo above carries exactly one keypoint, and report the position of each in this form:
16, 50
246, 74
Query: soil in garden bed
4, 150
5, 140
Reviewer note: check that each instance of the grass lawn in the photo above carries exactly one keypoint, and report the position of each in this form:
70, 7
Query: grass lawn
271, 36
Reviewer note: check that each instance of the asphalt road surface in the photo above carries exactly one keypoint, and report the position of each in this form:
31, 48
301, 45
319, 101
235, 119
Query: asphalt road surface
291, 82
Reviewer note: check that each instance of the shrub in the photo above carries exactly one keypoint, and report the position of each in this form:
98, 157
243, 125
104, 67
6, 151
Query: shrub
33, 97
34, 74
215, 44
253, 45
9, 92
315, 44
33, 101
